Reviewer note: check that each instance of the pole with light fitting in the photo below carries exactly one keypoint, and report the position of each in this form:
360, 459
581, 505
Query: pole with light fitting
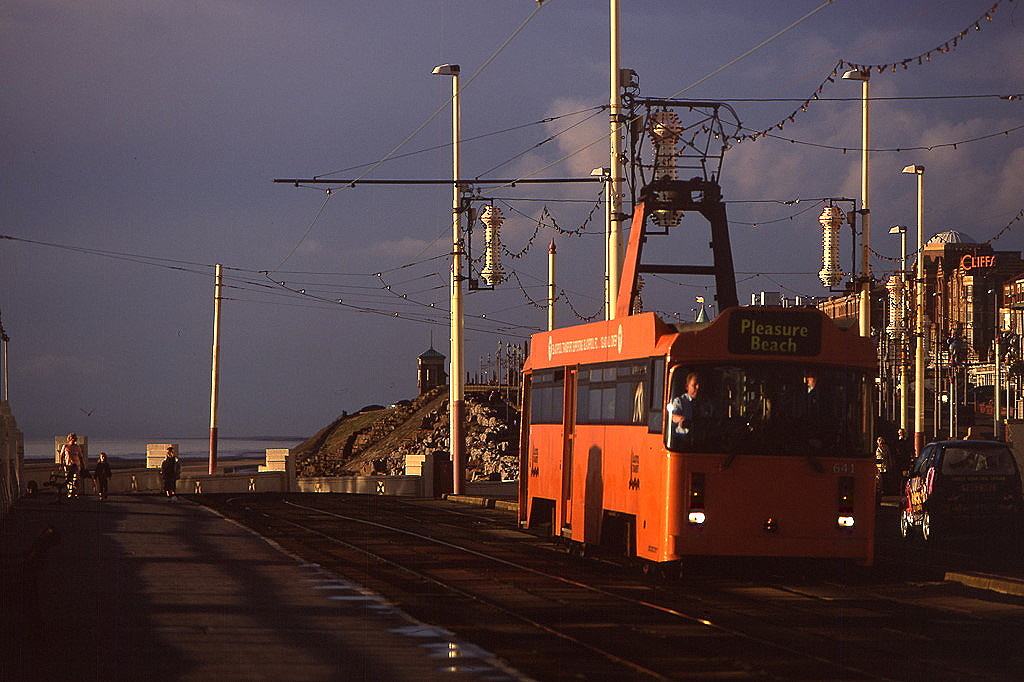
865, 200
613, 188
919, 314
456, 439
901, 230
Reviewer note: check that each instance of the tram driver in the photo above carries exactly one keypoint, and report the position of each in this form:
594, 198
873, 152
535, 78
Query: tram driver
684, 410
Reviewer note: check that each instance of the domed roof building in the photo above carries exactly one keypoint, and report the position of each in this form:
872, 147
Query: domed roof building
961, 275
952, 237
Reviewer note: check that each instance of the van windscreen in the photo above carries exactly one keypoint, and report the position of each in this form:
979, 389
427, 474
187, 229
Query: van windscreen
979, 459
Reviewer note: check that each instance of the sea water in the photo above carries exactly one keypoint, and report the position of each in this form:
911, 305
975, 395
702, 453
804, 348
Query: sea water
188, 448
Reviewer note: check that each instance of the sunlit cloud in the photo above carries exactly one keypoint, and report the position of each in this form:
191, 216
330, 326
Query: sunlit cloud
66, 366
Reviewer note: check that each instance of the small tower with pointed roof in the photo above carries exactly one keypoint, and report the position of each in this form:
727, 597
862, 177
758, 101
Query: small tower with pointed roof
430, 370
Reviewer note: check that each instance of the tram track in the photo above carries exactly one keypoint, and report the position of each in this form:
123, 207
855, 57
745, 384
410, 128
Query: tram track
714, 623
694, 620
581, 612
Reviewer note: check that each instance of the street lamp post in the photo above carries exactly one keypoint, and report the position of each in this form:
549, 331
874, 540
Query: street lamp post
613, 186
456, 440
919, 314
997, 406
865, 200
902, 231
4, 374
551, 286
215, 371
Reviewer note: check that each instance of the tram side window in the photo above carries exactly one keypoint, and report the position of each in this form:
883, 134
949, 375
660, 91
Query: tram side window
546, 396
657, 393
614, 394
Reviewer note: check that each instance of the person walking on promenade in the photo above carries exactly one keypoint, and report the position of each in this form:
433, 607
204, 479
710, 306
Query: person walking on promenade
72, 459
883, 462
102, 475
170, 469
904, 451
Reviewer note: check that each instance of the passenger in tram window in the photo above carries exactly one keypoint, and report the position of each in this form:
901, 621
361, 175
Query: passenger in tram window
811, 400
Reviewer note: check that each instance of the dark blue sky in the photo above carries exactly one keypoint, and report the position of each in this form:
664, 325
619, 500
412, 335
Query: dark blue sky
144, 137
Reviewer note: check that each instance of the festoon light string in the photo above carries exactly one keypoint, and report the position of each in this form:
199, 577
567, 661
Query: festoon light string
844, 65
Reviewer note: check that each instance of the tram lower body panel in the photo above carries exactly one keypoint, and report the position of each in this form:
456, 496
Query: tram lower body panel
773, 506
662, 506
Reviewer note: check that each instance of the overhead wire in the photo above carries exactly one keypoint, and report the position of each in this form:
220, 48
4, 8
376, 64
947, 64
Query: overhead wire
463, 140
779, 220
842, 64
932, 147
316, 217
437, 112
756, 47
596, 110
760, 45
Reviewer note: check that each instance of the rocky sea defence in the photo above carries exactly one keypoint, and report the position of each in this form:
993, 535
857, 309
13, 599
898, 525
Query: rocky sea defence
377, 441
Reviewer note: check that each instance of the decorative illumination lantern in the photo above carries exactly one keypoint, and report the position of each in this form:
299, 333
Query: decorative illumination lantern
492, 219
896, 312
665, 129
831, 220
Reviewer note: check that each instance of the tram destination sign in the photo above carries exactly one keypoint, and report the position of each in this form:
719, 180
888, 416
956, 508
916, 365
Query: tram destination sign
774, 332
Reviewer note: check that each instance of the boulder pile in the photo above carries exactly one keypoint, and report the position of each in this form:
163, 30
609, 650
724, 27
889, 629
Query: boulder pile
378, 442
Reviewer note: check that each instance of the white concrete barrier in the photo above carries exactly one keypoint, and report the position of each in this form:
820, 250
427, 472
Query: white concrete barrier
138, 480
408, 486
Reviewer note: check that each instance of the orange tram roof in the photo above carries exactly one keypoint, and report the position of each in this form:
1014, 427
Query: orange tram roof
749, 333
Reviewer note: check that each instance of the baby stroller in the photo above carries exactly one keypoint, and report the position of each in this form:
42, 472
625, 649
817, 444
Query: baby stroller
66, 481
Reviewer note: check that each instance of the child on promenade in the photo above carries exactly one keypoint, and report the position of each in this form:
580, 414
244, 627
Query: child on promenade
102, 475
170, 469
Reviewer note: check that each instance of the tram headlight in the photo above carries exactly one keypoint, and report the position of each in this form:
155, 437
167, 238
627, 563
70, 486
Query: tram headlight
844, 516
696, 516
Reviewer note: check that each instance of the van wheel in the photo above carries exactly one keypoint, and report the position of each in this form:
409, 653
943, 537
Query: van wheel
927, 530
906, 525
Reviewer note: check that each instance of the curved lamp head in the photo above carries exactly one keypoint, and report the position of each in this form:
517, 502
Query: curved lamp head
446, 70
914, 170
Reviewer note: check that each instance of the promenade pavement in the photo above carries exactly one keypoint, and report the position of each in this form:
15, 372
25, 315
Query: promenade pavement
139, 587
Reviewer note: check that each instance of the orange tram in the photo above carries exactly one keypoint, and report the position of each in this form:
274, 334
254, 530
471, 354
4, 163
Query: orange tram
749, 435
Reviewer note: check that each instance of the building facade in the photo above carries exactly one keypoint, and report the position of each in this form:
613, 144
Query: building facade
972, 294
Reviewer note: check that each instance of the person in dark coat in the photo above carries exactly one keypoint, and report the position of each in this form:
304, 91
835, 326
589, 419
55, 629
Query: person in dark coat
170, 469
101, 474
904, 451
886, 470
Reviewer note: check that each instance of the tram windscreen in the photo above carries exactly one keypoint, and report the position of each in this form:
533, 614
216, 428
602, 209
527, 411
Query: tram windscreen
762, 409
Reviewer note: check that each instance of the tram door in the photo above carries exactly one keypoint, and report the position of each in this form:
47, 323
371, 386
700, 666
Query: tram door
569, 431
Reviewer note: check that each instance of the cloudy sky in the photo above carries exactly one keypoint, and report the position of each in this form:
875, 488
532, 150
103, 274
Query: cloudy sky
140, 140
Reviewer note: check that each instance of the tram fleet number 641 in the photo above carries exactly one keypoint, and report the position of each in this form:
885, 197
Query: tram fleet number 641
748, 436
